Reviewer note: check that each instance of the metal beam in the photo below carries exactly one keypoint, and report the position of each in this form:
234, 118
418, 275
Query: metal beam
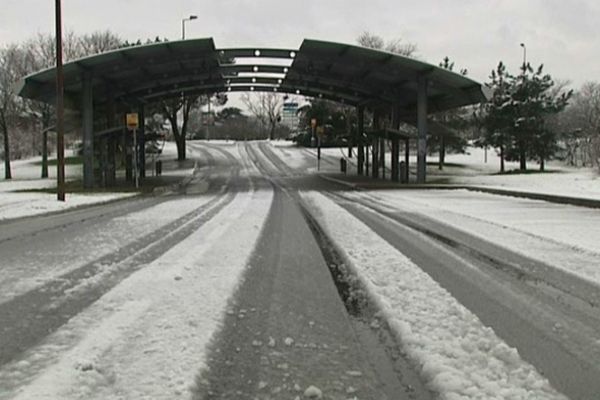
257, 52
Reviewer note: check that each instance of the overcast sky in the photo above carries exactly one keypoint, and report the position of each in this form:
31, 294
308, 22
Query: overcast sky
476, 34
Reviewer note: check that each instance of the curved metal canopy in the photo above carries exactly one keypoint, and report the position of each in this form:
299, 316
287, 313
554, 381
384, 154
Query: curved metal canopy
339, 72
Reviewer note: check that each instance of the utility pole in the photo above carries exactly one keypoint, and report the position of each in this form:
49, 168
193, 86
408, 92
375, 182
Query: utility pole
60, 107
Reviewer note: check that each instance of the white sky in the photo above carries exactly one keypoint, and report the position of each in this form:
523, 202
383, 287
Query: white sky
476, 34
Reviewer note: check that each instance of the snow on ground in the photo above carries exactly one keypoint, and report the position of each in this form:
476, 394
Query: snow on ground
565, 237
147, 337
31, 169
16, 205
305, 159
562, 180
466, 169
26, 176
457, 355
23, 271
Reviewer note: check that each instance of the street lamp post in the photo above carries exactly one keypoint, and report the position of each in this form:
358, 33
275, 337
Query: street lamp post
183, 21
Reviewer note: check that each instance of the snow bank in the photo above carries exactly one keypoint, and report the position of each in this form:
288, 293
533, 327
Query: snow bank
551, 233
458, 356
15, 205
147, 337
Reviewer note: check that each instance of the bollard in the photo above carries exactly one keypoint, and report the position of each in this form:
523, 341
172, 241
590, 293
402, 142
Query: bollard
158, 167
343, 165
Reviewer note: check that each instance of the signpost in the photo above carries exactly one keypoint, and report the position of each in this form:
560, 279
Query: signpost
133, 125
320, 134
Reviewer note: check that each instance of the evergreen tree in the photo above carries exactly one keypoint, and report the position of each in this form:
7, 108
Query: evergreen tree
515, 120
532, 104
495, 116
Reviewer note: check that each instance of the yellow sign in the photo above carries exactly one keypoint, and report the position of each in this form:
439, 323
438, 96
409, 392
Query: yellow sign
132, 121
321, 131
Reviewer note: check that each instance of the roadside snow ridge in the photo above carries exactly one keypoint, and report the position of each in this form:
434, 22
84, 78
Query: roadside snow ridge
458, 357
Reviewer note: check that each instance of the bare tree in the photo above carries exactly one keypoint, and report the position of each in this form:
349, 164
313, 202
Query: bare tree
171, 109
184, 106
41, 51
12, 67
99, 42
397, 46
581, 126
370, 40
266, 107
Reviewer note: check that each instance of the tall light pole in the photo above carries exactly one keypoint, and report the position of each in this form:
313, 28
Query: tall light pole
524, 56
183, 21
60, 108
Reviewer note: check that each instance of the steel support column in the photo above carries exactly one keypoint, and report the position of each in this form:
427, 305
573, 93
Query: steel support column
87, 106
142, 140
382, 147
395, 145
375, 144
359, 140
406, 160
422, 128
111, 165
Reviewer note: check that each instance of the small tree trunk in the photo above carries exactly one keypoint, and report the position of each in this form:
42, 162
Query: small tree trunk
542, 164
45, 153
502, 168
442, 153
272, 132
522, 157
7, 172
181, 148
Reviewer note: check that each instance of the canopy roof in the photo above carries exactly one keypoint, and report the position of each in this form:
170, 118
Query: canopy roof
344, 73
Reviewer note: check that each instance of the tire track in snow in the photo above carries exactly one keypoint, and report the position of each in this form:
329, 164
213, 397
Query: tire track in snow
559, 337
30, 317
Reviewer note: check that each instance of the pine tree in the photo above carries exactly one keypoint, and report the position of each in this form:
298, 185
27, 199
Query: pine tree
533, 103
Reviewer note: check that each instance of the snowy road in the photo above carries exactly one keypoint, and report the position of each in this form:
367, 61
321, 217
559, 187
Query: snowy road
258, 279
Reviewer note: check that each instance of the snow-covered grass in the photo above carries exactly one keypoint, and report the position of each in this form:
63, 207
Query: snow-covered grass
147, 337
22, 197
565, 237
560, 180
466, 169
26, 176
30, 170
456, 354
15, 205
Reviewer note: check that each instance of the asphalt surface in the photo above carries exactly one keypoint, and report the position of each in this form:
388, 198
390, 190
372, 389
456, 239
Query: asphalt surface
29, 317
551, 317
291, 324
